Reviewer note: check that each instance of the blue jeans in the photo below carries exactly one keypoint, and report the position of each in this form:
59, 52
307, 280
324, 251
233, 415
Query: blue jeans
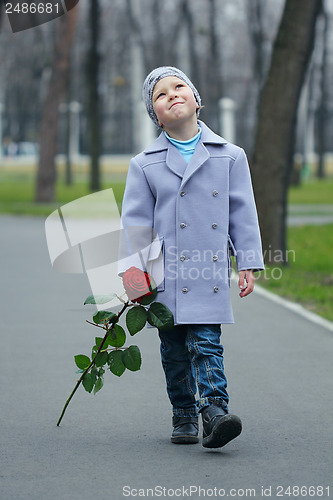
192, 358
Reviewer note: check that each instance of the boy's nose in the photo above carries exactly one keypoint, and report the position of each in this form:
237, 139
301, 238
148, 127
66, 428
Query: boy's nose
172, 95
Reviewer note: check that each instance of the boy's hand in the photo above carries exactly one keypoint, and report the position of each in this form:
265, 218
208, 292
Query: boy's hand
246, 282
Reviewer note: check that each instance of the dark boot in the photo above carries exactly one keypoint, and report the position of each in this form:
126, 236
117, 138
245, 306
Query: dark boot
219, 427
185, 430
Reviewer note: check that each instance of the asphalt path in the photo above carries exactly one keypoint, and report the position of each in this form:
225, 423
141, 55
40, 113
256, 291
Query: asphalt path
116, 444
299, 215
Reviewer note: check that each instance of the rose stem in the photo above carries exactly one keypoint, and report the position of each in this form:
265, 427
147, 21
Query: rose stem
112, 323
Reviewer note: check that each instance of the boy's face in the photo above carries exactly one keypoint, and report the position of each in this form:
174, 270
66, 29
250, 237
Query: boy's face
173, 102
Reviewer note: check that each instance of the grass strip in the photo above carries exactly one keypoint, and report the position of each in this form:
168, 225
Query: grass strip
308, 277
17, 195
318, 191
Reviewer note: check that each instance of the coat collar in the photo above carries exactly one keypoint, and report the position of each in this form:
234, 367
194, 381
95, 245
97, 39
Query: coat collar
174, 159
207, 137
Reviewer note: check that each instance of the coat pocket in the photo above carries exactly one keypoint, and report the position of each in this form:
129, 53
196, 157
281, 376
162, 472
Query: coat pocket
231, 248
231, 252
155, 263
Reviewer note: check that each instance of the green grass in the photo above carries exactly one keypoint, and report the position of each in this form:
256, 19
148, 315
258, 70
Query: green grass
308, 278
17, 193
313, 192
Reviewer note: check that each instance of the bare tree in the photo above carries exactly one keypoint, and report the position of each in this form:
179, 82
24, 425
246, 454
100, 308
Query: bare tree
324, 91
138, 32
94, 121
275, 137
46, 173
163, 52
188, 19
2, 8
257, 37
214, 67
159, 52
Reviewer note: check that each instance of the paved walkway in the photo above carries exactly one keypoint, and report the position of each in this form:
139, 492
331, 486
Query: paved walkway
298, 215
280, 372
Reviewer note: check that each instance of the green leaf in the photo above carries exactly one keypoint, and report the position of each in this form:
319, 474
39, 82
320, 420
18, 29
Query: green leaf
149, 298
94, 374
101, 359
98, 341
82, 361
136, 318
99, 384
115, 363
88, 382
160, 316
131, 358
95, 348
116, 337
99, 299
102, 316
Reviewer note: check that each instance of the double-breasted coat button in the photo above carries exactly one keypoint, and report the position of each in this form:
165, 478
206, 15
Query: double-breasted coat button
214, 226
185, 290
215, 193
216, 289
182, 193
182, 225
182, 258
215, 258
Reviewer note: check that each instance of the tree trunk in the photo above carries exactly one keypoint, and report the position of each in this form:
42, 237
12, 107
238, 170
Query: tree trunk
159, 51
94, 119
256, 30
2, 11
137, 31
275, 138
214, 69
46, 172
323, 111
188, 19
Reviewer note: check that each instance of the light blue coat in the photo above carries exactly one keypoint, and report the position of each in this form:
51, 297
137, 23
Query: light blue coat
200, 211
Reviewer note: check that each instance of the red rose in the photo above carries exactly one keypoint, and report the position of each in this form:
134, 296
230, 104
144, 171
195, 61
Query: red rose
136, 284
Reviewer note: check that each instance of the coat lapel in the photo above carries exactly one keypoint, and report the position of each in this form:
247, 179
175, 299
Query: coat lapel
175, 161
200, 156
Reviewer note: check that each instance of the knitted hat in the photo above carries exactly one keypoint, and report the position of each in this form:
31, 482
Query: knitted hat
156, 75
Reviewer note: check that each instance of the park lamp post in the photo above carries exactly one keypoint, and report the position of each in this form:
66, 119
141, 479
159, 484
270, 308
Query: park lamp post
72, 109
227, 119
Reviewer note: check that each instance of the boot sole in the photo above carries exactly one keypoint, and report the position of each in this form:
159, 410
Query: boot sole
225, 430
185, 439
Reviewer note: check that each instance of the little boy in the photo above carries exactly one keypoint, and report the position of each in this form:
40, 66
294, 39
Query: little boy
193, 188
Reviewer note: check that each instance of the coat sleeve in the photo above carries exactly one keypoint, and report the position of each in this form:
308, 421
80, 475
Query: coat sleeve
137, 220
243, 220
